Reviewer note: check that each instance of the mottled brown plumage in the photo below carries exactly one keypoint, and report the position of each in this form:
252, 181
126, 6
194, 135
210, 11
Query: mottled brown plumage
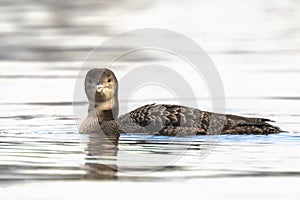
162, 119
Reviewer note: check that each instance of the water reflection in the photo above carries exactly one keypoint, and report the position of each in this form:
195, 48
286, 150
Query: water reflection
101, 158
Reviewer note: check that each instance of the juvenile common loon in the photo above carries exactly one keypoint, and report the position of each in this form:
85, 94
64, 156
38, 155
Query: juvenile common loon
101, 87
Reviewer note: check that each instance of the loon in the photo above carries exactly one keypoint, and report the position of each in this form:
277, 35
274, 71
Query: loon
101, 88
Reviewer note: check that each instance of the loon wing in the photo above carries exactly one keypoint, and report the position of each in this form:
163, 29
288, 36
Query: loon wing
171, 120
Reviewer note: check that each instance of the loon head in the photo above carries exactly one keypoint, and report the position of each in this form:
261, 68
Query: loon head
101, 88
101, 85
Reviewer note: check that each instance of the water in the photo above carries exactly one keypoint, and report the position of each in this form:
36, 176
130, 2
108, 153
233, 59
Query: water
254, 45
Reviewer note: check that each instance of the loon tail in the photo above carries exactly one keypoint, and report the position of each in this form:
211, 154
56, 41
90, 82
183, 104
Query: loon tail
244, 125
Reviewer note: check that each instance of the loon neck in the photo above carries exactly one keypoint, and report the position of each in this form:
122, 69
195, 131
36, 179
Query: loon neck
104, 111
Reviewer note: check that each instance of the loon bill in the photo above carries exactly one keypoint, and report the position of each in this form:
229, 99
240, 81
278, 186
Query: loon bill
101, 87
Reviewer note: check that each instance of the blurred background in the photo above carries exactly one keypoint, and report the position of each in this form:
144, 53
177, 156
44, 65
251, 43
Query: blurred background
253, 43
50, 39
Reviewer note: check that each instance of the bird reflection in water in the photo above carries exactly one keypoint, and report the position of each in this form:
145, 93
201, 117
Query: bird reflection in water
101, 156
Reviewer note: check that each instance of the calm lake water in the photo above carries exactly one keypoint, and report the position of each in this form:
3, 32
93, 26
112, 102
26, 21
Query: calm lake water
255, 47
